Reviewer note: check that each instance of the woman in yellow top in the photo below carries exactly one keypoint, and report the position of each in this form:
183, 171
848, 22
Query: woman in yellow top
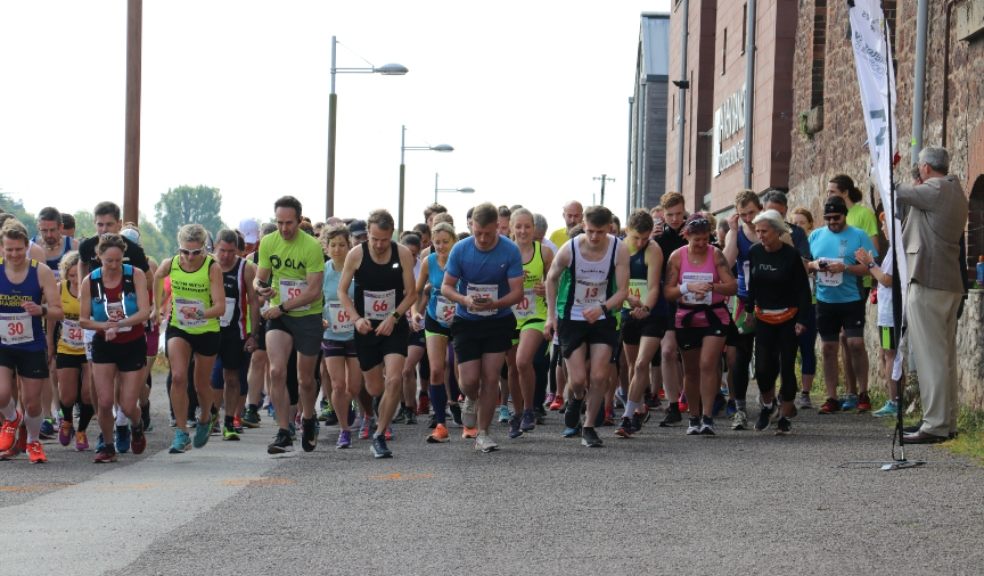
74, 378
197, 303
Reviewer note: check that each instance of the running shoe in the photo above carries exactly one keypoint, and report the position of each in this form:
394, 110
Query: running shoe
251, 418
468, 417
707, 426
803, 401
215, 429
439, 435
105, 456
401, 416
292, 430
237, 424
541, 414
19, 447
504, 414
672, 416
731, 408
514, 429
122, 439
549, 398
637, 420
139, 439
47, 429
35, 452
528, 423
720, 401
432, 422
81, 441
229, 433
626, 429
364, 428
65, 432
282, 443
378, 448
849, 402
344, 440
830, 406
572, 414
693, 429
485, 443
783, 426
423, 405
179, 445
609, 417
620, 399
682, 403
388, 433
765, 413
309, 434
202, 432
570, 432
661, 394
590, 438
8, 432
100, 443
891, 408
411, 416
455, 410
864, 403
739, 421
557, 404
330, 418
469, 432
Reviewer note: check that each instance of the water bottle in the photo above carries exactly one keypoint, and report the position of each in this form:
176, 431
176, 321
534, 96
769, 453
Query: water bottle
980, 271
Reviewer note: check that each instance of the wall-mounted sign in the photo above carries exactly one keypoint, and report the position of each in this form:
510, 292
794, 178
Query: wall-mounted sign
729, 119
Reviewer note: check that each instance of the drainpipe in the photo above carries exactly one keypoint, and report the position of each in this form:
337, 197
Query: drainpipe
749, 91
683, 85
946, 67
629, 200
919, 87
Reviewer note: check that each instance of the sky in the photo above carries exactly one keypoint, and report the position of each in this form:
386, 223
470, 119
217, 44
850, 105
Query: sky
533, 96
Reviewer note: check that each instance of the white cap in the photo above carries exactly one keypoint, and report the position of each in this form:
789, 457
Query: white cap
250, 230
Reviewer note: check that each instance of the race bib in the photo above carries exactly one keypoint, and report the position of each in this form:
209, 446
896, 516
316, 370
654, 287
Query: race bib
290, 289
338, 319
444, 310
693, 277
486, 291
587, 294
190, 313
16, 328
830, 279
638, 288
746, 269
72, 334
527, 306
230, 310
379, 305
115, 312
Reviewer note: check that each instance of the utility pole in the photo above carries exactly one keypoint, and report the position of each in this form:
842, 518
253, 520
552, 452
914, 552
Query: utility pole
604, 178
131, 146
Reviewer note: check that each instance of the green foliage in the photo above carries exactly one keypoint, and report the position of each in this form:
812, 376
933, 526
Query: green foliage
152, 240
85, 225
16, 207
187, 205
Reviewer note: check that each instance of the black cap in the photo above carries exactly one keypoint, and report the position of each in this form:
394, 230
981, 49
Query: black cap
358, 228
835, 205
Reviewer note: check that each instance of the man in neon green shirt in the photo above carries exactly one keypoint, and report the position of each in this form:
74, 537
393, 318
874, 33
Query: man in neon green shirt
573, 215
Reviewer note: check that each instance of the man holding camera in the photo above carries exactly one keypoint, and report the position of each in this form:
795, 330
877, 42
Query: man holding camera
840, 305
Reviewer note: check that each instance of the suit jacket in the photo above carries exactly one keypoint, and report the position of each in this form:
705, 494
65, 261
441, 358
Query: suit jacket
932, 231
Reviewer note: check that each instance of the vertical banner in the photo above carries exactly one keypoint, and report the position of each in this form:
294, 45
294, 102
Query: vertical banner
876, 79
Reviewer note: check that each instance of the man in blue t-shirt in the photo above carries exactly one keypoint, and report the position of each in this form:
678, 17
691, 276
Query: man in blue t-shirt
484, 277
840, 305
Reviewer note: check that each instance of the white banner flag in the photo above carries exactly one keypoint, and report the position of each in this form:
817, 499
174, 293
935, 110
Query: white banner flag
876, 78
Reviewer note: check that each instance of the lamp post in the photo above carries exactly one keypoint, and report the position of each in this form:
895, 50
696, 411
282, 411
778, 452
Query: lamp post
385, 70
403, 166
465, 190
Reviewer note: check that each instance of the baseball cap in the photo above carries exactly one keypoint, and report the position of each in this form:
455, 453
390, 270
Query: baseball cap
358, 228
131, 234
835, 205
250, 230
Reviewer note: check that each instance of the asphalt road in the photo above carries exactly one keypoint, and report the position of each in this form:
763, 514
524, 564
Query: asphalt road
660, 503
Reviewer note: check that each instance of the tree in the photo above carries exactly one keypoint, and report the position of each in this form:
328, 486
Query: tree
16, 207
152, 240
85, 224
188, 205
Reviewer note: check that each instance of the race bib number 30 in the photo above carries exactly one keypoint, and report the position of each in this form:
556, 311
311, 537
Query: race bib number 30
16, 328
338, 319
487, 292
380, 304
692, 278
290, 289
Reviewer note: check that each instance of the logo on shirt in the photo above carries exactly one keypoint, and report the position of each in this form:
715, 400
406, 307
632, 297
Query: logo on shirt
276, 263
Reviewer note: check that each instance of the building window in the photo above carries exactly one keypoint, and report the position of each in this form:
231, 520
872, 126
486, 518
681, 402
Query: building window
819, 52
975, 226
744, 27
724, 52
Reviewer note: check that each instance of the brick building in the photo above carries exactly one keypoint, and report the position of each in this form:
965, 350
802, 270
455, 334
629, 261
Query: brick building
647, 140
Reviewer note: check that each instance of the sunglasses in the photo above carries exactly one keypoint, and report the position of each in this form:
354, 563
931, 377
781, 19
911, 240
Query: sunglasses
187, 252
833, 218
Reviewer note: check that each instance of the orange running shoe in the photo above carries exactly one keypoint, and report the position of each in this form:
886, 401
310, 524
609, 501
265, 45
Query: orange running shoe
19, 447
468, 433
8, 432
557, 404
439, 435
36, 453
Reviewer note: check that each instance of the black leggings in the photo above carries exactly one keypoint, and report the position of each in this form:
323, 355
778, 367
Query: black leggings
743, 357
775, 355
541, 366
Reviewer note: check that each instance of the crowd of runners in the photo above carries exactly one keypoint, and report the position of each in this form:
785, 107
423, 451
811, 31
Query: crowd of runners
479, 325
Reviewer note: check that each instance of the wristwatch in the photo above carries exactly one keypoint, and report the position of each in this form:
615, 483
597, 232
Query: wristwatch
604, 309
871, 265
396, 314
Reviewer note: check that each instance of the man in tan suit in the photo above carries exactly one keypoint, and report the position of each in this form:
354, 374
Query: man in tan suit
937, 216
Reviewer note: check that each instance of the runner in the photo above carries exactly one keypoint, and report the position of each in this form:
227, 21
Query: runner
436, 313
197, 303
236, 324
589, 279
115, 304
74, 375
642, 325
573, 215
416, 349
291, 270
383, 274
338, 341
669, 230
484, 277
531, 317
699, 278
27, 293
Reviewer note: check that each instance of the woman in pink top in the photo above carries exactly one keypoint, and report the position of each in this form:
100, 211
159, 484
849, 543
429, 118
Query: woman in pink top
699, 280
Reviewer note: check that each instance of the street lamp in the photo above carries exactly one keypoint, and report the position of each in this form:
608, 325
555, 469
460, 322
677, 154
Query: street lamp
385, 70
403, 167
465, 190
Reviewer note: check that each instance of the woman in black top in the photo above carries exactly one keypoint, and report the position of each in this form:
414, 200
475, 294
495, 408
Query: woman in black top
779, 292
